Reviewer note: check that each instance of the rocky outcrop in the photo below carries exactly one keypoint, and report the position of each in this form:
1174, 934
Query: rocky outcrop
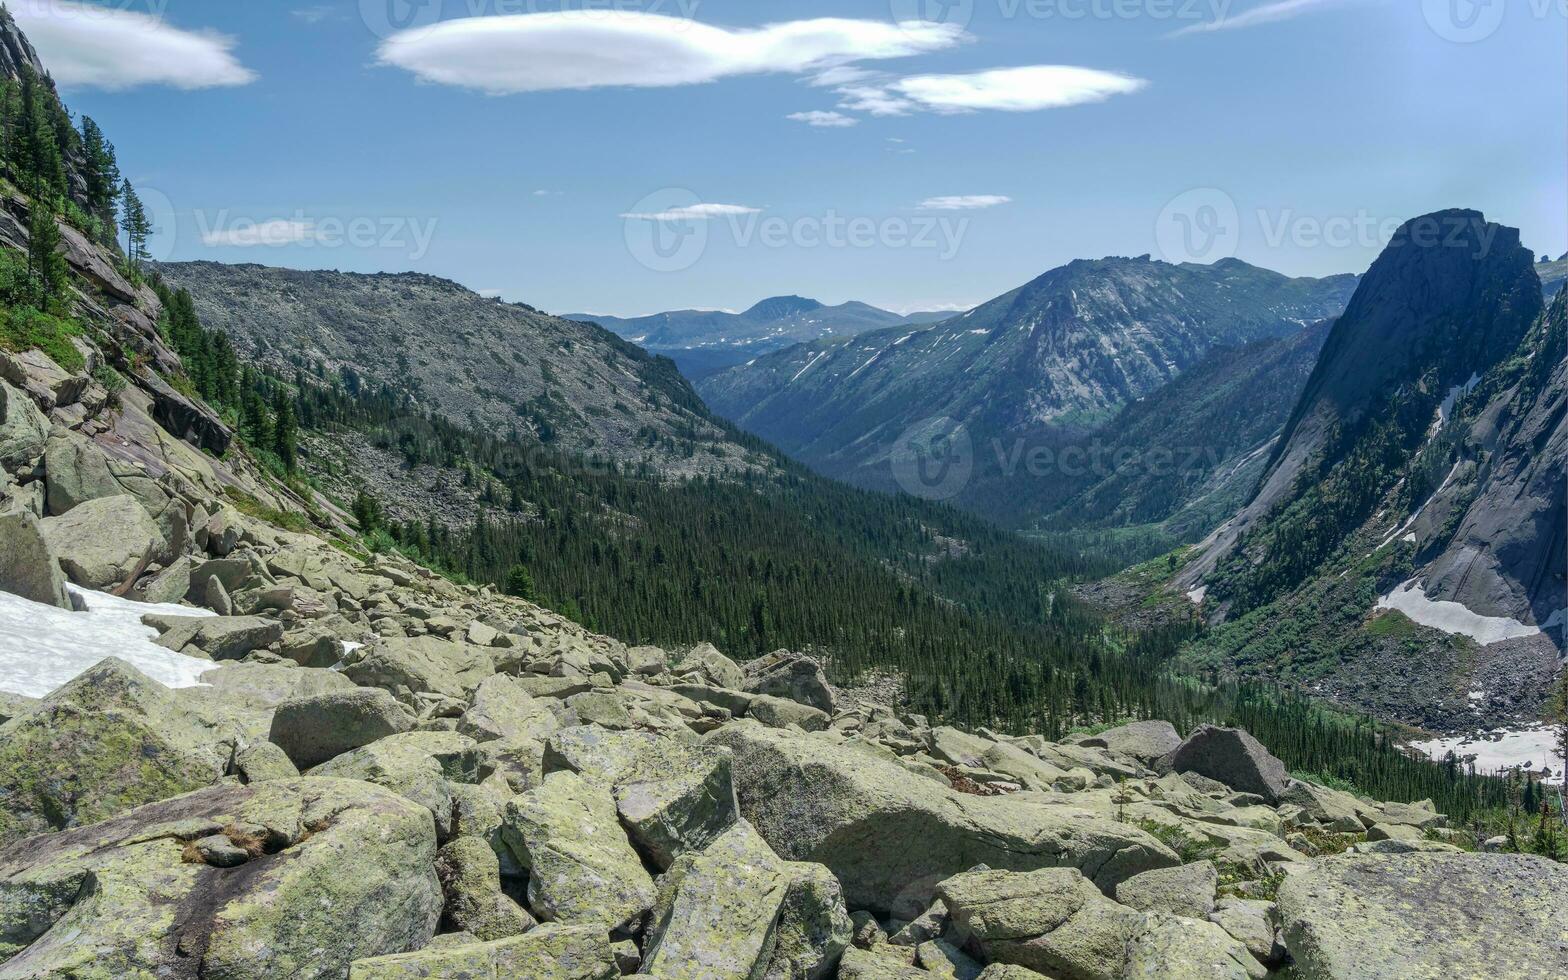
1426, 917
29, 567
297, 878
314, 729
1233, 757
853, 811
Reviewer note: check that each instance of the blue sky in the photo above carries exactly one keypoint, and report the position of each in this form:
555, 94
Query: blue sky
932, 165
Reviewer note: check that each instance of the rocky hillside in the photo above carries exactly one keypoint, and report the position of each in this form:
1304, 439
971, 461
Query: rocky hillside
474, 360
1413, 518
1050, 361
382, 775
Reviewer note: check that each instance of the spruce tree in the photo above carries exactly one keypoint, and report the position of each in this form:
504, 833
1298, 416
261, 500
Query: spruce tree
46, 265
135, 223
285, 430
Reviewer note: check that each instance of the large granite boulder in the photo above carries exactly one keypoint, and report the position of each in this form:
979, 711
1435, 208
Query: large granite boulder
861, 813
546, 953
103, 542
1427, 917
719, 670
23, 429
1169, 947
297, 878
581, 868
220, 637
408, 666
675, 798
28, 566
110, 740
414, 765
1187, 890
470, 876
792, 677
814, 927
320, 727
1143, 740
718, 910
1233, 757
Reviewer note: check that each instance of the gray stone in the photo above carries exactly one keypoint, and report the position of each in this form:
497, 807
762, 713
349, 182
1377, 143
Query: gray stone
335, 871
1233, 757
470, 875
792, 677
676, 798
259, 762
104, 542
782, 713
221, 637
813, 929
718, 669
858, 813
28, 566
1427, 917
418, 665
413, 765
1172, 948
23, 429
546, 953
1187, 890
314, 729
581, 868
1143, 740
171, 584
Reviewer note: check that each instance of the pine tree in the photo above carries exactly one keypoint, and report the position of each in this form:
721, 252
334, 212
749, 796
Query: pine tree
41, 161
135, 223
46, 264
520, 582
102, 172
285, 429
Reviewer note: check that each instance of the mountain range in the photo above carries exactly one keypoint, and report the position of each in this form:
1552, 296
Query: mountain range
1030, 375
702, 342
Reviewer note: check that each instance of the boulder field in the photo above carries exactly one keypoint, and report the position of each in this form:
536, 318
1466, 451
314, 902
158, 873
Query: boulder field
387, 776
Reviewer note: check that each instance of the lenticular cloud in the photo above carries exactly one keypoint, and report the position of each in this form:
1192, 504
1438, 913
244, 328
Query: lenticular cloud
592, 49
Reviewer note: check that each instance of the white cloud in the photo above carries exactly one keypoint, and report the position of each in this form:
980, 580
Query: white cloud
964, 202
1028, 89
249, 234
545, 193
694, 212
1269, 13
313, 15
581, 49
113, 49
824, 120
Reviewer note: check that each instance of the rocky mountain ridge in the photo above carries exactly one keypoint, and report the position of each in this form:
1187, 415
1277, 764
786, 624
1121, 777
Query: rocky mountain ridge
474, 360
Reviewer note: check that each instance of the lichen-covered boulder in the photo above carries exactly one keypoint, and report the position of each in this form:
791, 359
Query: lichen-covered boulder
860, 964
1233, 757
28, 565
862, 814
243, 696
1143, 740
597, 754
259, 762
413, 764
409, 666
782, 713
319, 873
1053, 921
705, 659
1169, 947
23, 429
317, 728
110, 740
470, 877
813, 928
1187, 890
1393, 917
103, 542
718, 910
581, 868
792, 677
677, 798
502, 708
546, 953
220, 637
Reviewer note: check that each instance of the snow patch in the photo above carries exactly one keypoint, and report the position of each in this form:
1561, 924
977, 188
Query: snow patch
1527, 748
1452, 617
43, 648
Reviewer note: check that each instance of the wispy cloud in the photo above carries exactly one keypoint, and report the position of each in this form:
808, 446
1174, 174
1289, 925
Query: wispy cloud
107, 48
824, 120
693, 212
251, 234
1269, 13
1027, 89
585, 49
964, 202
313, 15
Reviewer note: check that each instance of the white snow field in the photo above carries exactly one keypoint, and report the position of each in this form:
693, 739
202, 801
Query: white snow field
1452, 617
1504, 749
42, 648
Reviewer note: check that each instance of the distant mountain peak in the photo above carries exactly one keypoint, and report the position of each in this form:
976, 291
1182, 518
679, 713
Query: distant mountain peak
781, 307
